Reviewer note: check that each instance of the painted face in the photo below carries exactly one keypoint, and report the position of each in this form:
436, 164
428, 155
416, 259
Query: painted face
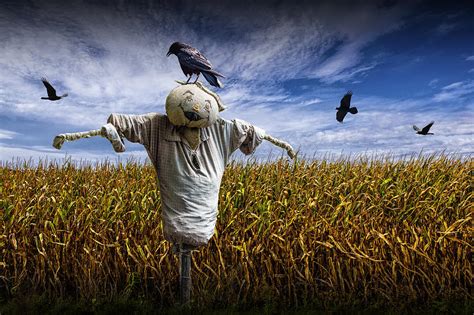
188, 105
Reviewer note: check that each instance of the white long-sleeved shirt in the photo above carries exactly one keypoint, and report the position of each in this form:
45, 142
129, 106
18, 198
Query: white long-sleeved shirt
189, 192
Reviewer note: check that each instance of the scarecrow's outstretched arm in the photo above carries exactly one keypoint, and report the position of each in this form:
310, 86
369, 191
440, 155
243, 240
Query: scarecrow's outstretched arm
282, 144
110, 132
107, 131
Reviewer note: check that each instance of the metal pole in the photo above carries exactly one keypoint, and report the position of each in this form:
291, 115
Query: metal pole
185, 284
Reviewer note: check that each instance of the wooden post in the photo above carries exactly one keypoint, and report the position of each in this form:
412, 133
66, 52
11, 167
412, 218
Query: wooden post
185, 284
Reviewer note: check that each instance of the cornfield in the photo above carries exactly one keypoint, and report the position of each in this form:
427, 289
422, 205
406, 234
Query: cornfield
292, 234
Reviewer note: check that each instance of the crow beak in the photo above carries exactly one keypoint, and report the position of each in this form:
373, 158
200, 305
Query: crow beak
168, 54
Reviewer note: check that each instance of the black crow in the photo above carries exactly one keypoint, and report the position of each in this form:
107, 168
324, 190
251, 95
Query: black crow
51, 92
345, 107
193, 62
425, 129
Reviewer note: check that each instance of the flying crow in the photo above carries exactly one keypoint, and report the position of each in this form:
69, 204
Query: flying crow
51, 92
193, 62
345, 107
425, 129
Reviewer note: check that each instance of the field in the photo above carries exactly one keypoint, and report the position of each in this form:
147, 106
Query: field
309, 235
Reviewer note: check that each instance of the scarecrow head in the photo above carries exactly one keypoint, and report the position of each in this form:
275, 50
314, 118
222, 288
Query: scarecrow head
193, 106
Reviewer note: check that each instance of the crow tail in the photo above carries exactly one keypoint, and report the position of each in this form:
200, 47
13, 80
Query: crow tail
212, 79
45, 98
64, 95
353, 110
216, 73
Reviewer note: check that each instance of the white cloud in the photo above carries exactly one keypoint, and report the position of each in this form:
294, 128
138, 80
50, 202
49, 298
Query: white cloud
433, 82
109, 60
470, 58
7, 134
453, 86
312, 101
454, 91
382, 126
63, 45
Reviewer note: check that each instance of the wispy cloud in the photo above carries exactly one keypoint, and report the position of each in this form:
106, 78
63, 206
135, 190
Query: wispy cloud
7, 134
382, 126
109, 61
455, 91
433, 82
470, 58
445, 28
111, 58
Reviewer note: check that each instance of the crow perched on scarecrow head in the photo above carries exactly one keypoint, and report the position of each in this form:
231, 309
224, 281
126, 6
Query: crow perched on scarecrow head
193, 62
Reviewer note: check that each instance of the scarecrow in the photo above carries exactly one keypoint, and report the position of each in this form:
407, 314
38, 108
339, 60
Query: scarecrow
189, 148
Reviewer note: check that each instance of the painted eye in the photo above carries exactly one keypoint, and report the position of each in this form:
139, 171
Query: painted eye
207, 107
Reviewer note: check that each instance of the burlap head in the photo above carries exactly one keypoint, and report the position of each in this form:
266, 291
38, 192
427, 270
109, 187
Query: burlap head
189, 105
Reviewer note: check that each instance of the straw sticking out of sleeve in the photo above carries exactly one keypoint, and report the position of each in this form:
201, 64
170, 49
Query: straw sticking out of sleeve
281, 144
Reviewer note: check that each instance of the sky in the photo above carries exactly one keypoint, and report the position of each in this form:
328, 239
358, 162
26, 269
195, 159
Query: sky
287, 66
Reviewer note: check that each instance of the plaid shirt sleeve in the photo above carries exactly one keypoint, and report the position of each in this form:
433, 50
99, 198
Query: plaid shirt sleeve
245, 136
134, 128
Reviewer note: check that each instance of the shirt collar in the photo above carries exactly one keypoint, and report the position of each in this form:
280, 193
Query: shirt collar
172, 133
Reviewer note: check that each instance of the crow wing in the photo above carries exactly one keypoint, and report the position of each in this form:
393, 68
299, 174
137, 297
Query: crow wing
49, 88
340, 114
416, 128
427, 127
346, 100
192, 58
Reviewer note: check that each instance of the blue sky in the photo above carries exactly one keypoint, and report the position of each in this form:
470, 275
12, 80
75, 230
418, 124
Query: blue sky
287, 63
